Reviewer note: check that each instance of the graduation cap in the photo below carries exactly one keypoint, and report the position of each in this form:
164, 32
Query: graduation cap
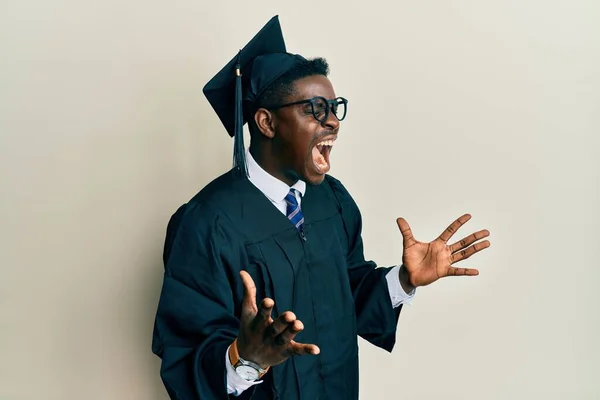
234, 89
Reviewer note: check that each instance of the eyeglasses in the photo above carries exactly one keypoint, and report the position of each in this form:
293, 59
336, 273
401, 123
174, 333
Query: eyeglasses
320, 107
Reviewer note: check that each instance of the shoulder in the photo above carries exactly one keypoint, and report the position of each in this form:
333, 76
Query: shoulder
203, 216
219, 189
204, 205
349, 211
340, 191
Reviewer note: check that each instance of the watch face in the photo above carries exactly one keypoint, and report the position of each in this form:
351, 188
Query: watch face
246, 372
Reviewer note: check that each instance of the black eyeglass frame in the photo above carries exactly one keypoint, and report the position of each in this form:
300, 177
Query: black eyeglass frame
330, 103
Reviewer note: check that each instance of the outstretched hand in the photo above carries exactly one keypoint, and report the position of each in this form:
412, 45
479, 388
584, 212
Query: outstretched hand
263, 340
425, 263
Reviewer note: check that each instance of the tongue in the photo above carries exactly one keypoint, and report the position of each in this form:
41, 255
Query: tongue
319, 160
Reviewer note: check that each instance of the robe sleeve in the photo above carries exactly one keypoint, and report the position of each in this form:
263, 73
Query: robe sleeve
377, 319
196, 320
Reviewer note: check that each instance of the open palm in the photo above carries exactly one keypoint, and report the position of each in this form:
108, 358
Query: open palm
428, 262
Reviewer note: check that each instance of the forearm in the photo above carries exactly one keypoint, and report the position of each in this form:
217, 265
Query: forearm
191, 343
376, 319
193, 372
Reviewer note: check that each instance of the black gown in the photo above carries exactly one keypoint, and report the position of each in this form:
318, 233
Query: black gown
324, 279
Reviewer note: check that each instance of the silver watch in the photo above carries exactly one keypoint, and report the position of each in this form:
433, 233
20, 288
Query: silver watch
248, 370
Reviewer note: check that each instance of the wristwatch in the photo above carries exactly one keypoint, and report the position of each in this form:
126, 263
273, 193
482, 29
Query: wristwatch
246, 369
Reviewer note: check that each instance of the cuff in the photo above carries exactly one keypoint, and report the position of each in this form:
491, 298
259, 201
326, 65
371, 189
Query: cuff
397, 295
235, 383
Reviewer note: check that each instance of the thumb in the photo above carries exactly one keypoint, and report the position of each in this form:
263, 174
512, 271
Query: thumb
249, 302
407, 236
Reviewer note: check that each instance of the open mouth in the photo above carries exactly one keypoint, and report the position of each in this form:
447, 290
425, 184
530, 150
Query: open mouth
320, 155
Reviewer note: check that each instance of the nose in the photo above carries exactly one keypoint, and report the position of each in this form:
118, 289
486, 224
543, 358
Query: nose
331, 122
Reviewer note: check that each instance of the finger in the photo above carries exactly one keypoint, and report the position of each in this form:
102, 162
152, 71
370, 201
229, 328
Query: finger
249, 302
452, 271
407, 236
301, 349
263, 317
469, 240
288, 334
281, 323
469, 251
451, 230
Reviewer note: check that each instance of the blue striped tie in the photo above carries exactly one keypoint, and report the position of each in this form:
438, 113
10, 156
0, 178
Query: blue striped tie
294, 213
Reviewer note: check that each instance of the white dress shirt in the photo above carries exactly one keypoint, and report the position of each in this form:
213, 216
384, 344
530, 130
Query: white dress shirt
276, 190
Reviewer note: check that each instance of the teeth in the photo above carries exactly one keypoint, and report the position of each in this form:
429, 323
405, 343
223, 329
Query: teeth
326, 143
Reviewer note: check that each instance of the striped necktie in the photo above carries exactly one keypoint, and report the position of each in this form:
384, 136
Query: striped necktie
294, 213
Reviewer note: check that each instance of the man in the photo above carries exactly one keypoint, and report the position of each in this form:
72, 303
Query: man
266, 287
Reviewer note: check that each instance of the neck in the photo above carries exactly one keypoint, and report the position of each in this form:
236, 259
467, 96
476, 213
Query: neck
264, 156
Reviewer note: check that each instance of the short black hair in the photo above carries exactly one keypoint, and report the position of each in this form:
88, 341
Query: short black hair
283, 87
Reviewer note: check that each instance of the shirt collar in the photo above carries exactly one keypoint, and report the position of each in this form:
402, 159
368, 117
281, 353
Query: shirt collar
272, 187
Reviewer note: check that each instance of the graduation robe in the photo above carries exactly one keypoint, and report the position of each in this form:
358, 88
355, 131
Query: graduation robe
323, 278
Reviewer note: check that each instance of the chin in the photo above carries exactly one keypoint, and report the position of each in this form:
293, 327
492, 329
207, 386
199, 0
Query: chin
313, 179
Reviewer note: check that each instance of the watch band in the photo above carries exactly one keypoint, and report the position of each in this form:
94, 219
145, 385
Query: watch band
235, 360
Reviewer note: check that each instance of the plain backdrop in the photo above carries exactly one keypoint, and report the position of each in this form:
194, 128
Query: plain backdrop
481, 106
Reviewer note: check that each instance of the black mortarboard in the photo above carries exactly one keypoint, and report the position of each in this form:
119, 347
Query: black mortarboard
233, 90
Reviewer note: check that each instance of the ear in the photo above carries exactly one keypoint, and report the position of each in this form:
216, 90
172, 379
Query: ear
264, 120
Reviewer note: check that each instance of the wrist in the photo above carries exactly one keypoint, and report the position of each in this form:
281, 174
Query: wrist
404, 278
241, 351
249, 370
